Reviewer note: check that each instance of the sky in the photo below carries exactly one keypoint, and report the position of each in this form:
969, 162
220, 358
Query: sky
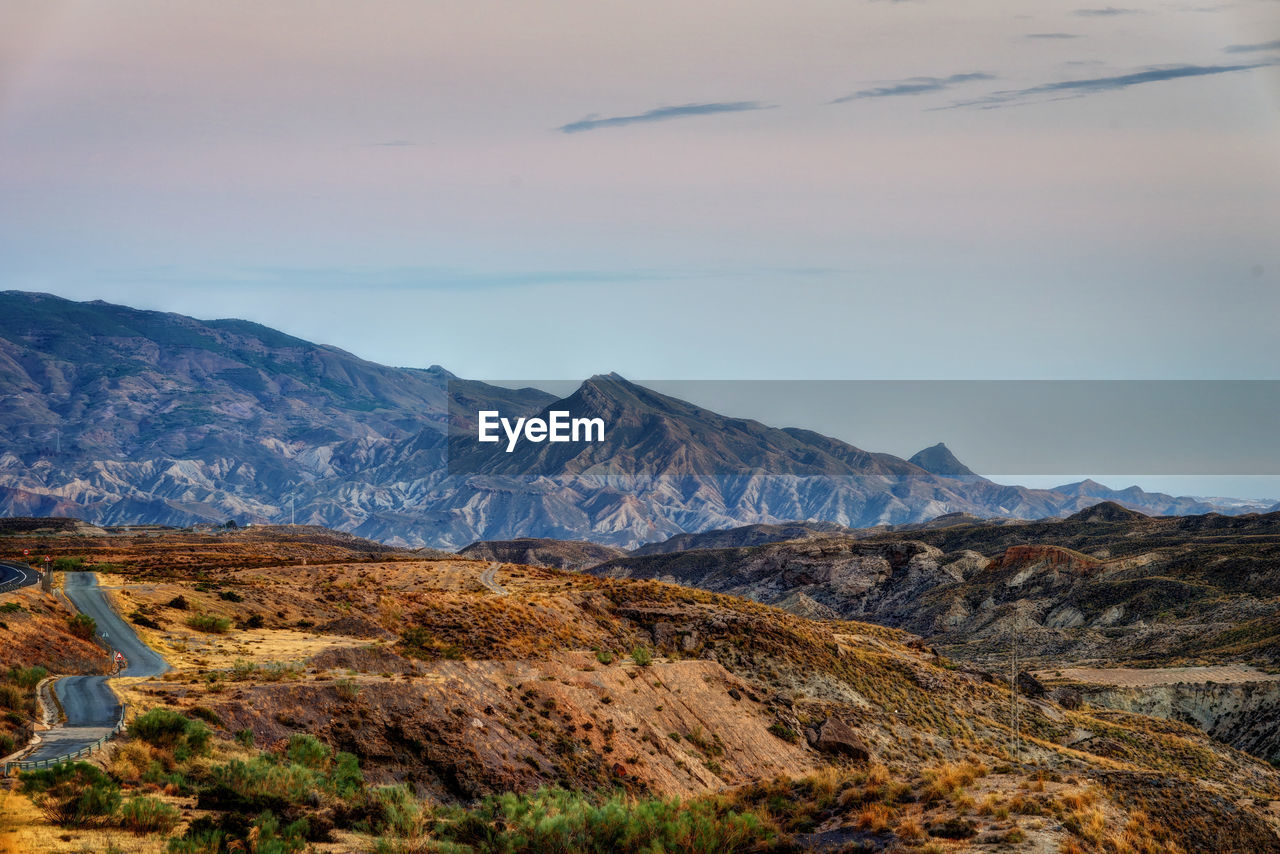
817, 189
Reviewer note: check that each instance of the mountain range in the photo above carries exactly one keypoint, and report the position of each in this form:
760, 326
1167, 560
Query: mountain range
122, 416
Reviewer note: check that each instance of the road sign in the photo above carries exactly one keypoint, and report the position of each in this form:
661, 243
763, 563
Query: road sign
26, 551
47, 559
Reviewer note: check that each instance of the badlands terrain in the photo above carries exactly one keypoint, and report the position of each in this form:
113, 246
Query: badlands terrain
329, 693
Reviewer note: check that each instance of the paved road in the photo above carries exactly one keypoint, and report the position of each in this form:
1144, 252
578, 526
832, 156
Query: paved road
489, 578
91, 707
16, 574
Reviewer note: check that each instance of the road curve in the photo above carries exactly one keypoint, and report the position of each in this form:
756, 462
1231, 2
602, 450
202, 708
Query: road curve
17, 574
91, 707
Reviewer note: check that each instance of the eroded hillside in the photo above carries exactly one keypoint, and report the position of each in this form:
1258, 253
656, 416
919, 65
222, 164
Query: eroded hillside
464, 680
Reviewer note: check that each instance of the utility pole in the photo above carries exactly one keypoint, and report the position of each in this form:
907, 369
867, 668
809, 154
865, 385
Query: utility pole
293, 516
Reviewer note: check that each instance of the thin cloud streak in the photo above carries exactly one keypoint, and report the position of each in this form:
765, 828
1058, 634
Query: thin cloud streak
662, 114
1107, 12
1052, 36
1093, 85
913, 86
1252, 48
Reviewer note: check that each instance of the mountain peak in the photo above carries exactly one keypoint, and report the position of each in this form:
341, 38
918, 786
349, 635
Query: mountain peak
939, 460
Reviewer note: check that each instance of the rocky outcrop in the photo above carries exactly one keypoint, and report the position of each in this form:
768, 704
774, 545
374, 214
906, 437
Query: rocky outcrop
837, 738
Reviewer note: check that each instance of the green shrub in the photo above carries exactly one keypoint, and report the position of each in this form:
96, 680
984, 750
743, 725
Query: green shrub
168, 729
309, 752
558, 820
72, 794
28, 677
160, 727
82, 626
179, 603
211, 623
68, 564
10, 608
149, 815
230, 596
245, 737
641, 656
783, 732
348, 689
207, 841
604, 656
12, 697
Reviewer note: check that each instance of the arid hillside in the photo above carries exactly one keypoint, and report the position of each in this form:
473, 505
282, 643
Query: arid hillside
461, 681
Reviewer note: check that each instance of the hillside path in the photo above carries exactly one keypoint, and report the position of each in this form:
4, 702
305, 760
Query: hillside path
489, 578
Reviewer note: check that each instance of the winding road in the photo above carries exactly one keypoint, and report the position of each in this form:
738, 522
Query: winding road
91, 707
14, 575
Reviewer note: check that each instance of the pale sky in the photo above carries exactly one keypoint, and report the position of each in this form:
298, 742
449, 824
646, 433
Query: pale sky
710, 190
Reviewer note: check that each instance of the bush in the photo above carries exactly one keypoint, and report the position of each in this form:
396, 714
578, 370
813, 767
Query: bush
12, 697
254, 621
783, 732
82, 626
309, 752
140, 619
641, 656
68, 564
10, 608
230, 596
205, 713
160, 727
171, 730
149, 815
211, 623
558, 820
604, 656
348, 689
72, 794
179, 603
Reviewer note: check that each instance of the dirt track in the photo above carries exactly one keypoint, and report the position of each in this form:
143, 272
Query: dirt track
1132, 677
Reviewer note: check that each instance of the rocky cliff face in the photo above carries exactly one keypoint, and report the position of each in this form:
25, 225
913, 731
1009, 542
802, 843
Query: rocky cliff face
1244, 715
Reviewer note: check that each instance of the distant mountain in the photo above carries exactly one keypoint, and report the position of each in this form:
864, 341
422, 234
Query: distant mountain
940, 461
118, 415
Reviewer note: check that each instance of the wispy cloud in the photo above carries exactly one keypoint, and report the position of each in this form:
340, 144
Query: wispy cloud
1092, 85
1052, 36
1106, 12
661, 114
913, 86
1252, 48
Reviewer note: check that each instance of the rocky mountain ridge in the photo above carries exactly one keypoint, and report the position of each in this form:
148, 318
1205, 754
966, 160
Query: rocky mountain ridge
121, 416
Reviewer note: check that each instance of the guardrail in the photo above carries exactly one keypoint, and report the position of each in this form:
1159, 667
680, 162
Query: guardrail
12, 585
27, 765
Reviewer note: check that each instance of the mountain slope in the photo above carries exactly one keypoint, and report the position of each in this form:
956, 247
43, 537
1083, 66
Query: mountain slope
122, 416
